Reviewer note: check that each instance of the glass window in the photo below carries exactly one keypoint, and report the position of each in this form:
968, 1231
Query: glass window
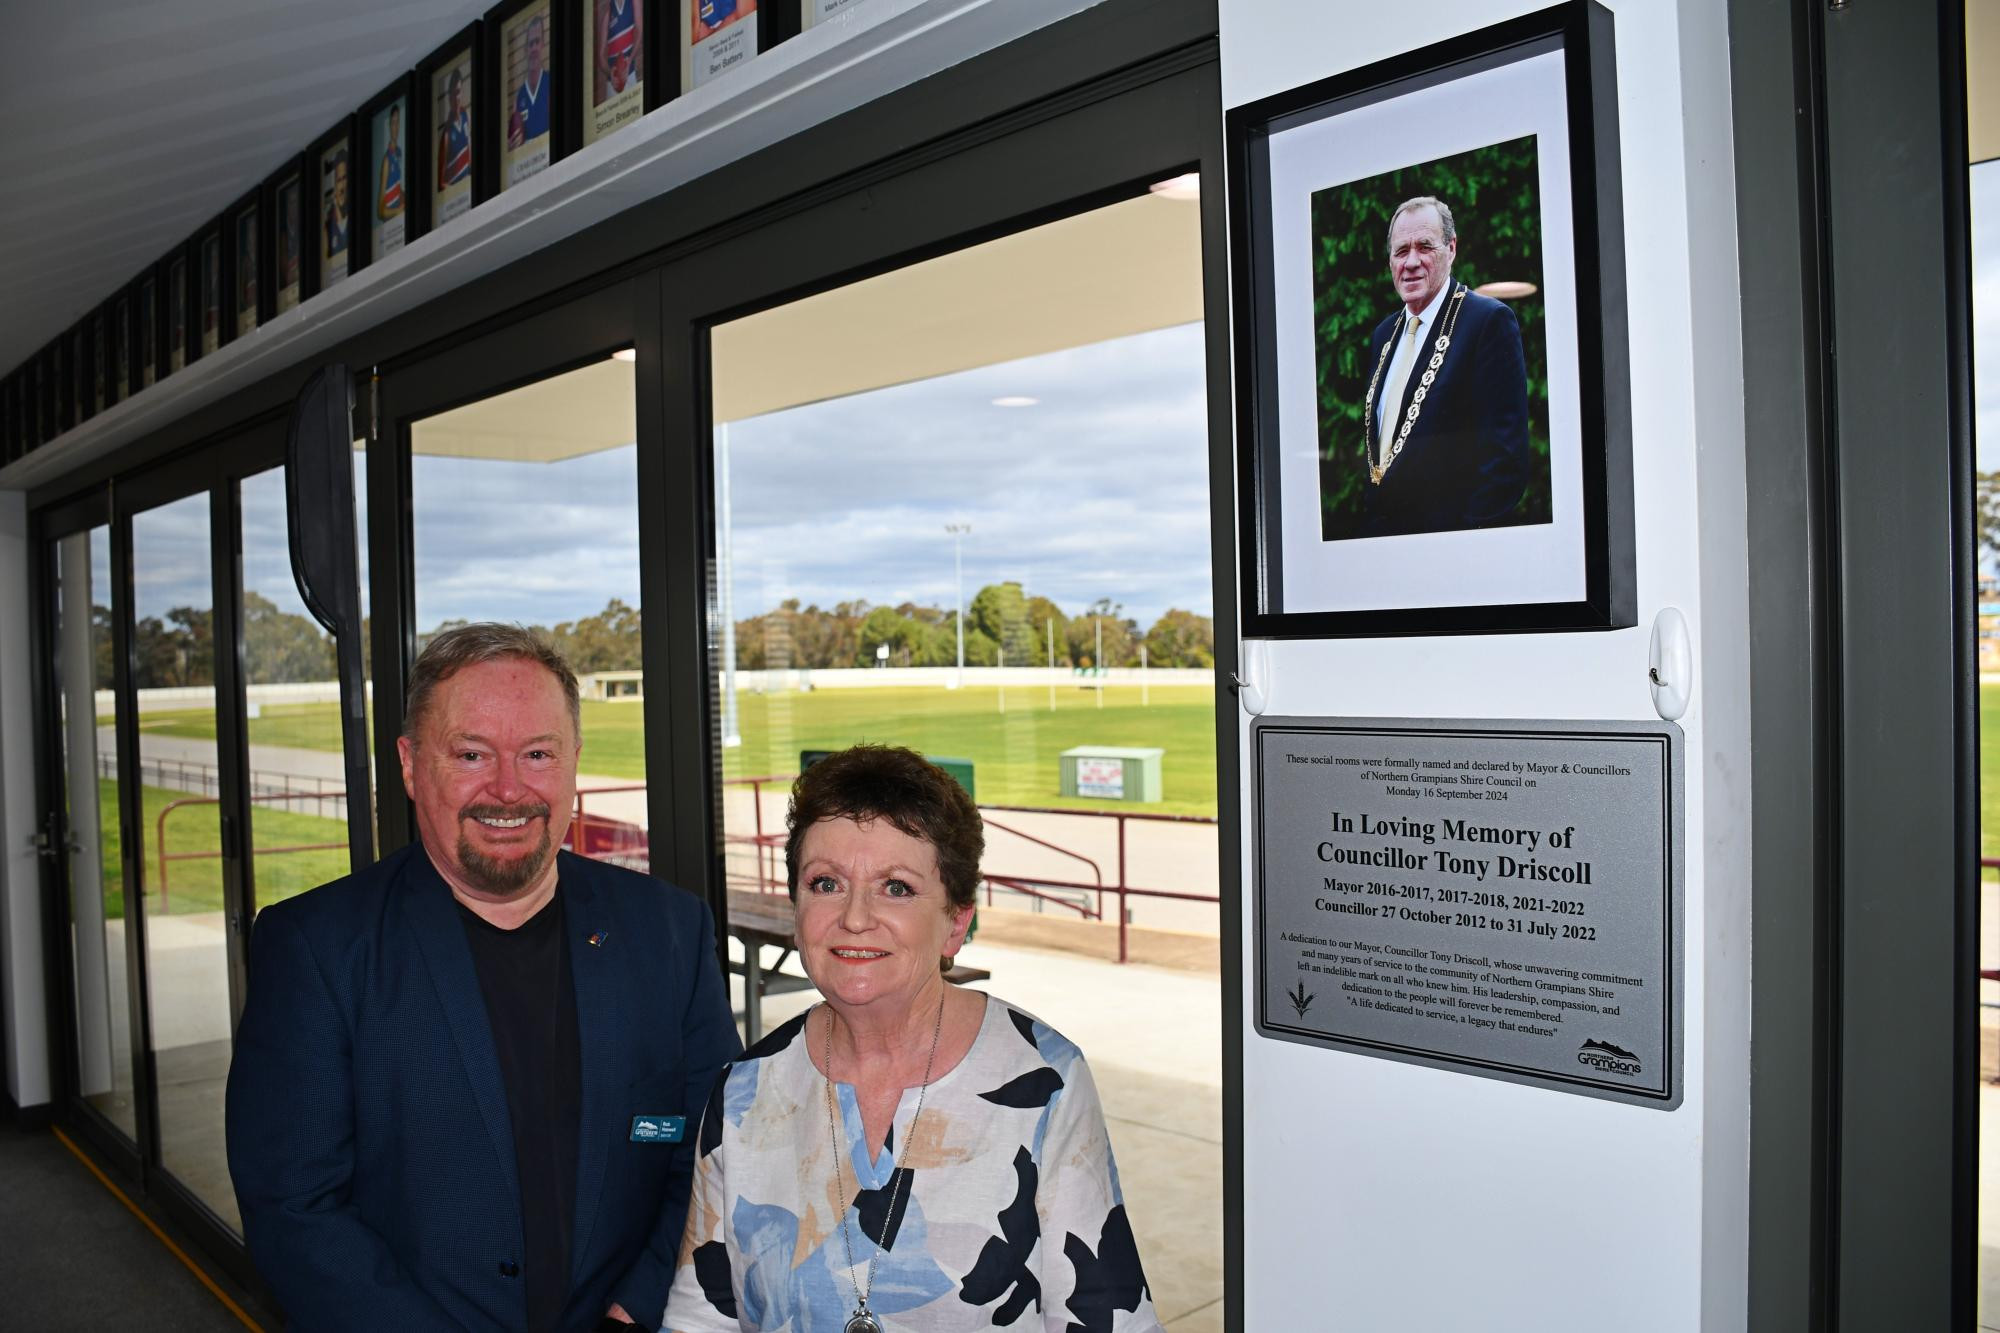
298, 806
89, 743
964, 507
186, 917
525, 510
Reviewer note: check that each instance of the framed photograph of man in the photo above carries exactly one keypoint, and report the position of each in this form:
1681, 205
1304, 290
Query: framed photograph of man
528, 88
448, 80
389, 134
285, 234
247, 269
333, 160
177, 284
208, 260
76, 386
98, 322
146, 338
121, 347
613, 59
716, 36
1431, 346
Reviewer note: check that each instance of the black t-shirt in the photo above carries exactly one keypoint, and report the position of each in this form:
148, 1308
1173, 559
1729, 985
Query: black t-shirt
531, 1005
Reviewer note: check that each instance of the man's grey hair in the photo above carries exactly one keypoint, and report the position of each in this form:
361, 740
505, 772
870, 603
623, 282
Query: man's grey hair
453, 650
1424, 201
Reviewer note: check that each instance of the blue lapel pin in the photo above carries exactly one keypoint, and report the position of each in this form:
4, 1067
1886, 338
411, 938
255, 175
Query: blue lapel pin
597, 938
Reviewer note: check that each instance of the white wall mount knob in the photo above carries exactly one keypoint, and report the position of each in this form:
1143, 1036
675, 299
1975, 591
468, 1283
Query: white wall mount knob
1253, 681
1670, 668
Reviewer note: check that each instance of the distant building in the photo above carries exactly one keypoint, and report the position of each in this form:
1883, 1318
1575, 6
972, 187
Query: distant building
623, 684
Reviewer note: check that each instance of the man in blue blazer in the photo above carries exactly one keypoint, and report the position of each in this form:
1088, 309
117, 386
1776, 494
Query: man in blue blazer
463, 1082
1447, 443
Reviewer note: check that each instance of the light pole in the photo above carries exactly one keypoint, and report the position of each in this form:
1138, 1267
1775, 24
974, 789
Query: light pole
958, 531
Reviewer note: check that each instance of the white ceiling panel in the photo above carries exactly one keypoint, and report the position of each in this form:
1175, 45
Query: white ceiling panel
133, 122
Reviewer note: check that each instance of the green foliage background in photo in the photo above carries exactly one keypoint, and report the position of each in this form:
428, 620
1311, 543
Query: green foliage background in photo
1495, 198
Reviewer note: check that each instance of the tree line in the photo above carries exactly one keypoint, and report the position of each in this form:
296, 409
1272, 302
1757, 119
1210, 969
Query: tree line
1003, 627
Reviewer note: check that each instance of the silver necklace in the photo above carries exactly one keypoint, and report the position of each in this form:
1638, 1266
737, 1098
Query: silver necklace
863, 1319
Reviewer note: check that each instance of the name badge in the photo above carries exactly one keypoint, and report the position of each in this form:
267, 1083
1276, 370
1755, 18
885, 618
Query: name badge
658, 1128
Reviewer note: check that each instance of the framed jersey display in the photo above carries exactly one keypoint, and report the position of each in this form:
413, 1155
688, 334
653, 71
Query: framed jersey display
333, 160
285, 234
530, 75
613, 62
208, 289
449, 84
176, 269
393, 159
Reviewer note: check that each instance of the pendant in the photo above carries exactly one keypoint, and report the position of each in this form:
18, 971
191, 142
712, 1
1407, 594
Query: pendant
862, 1321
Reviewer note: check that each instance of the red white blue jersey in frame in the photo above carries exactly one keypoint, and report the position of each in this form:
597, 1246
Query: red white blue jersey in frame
455, 149
621, 42
531, 107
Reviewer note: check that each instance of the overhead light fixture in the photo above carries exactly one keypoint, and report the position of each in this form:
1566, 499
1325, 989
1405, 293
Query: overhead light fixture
1506, 291
1185, 186
1015, 400
626, 354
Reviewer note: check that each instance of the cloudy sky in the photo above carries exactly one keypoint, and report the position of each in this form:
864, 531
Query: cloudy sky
1098, 490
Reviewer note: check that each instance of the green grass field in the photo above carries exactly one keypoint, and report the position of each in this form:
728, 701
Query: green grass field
195, 885
1015, 753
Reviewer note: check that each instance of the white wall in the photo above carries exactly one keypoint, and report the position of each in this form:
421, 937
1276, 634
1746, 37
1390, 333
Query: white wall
22, 1012
1383, 1195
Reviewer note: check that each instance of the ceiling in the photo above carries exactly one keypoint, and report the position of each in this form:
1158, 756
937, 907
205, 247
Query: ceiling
133, 122
1125, 268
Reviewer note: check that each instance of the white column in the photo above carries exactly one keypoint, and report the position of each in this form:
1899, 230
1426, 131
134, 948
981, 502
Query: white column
24, 1001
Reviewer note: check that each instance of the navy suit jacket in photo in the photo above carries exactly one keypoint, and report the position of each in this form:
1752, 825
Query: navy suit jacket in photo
369, 1138
1465, 463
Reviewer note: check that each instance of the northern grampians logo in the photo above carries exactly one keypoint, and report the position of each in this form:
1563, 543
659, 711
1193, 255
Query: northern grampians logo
1611, 1059
1301, 999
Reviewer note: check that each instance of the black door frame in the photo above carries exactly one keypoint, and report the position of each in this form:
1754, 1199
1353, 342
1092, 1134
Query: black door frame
1851, 205
216, 471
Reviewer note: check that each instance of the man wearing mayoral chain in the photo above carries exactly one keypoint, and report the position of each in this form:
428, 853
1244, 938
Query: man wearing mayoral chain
1447, 405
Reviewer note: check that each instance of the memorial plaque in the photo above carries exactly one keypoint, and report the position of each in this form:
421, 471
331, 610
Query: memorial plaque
1498, 898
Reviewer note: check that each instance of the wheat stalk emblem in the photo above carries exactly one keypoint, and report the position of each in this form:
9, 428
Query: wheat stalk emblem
1300, 999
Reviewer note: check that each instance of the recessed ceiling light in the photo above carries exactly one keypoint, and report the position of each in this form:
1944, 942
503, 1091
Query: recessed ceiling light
1186, 186
1015, 400
1506, 291
626, 354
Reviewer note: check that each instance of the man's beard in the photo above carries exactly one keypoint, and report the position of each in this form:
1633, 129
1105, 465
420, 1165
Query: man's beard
491, 874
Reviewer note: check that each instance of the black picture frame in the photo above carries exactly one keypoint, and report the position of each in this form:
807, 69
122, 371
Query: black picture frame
1332, 589
328, 269
377, 237
146, 326
47, 411
10, 426
246, 295
177, 341
62, 378
118, 347
588, 120
466, 52
96, 371
497, 101
208, 298
778, 21
286, 188
77, 389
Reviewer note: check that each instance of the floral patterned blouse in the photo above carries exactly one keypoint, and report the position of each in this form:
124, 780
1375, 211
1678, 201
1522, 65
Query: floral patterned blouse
1009, 1214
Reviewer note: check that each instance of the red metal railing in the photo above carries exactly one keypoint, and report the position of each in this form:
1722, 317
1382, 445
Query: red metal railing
599, 836
769, 877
